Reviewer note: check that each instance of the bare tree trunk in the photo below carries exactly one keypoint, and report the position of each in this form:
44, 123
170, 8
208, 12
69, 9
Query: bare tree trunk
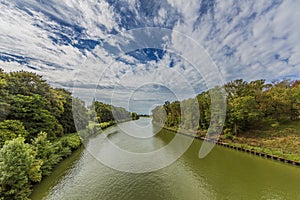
235, 129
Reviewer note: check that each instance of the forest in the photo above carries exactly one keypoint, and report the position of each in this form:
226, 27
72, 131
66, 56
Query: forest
250, 105
260, 116
37, 129
106, 113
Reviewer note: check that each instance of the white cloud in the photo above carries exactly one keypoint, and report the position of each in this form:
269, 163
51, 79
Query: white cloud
246, 39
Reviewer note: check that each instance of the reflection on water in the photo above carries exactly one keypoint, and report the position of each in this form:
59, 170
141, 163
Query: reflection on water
224, 174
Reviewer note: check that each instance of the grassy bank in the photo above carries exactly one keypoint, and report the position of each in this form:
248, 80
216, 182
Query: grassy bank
282, 140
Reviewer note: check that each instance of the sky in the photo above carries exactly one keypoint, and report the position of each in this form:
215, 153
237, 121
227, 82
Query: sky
139, 53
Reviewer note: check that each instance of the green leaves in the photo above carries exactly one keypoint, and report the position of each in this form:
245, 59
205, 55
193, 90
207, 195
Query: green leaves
31, 110
106, 113
46, 151
249, 105
243, 112
28, 98
10, 129
33, 119
18, 167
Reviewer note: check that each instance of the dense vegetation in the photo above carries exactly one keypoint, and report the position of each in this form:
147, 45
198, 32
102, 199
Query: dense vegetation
103, 115
106, 113
259, 114
35, 122
249, 105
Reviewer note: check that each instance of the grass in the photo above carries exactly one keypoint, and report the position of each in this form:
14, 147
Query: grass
282, 140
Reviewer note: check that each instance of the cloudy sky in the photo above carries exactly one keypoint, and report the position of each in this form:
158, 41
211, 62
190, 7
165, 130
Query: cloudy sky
139, 53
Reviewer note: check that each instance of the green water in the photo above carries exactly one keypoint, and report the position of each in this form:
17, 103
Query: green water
223, 174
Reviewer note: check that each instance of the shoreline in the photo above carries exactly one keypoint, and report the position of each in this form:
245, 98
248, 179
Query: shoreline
236, 147
41, 189
69, 159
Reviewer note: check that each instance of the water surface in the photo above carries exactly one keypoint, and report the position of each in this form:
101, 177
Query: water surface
223, 174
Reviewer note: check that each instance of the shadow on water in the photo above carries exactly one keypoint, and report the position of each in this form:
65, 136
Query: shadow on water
41, 190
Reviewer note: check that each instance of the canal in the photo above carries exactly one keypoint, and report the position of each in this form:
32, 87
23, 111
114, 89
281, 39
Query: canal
223, 174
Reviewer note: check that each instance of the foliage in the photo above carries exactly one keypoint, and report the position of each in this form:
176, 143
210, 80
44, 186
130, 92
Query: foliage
26, 97
10, 129
79, 114
47, 152
134, 116
66, 144
71, 141
35, 120
31, 110
250, 105
106, 112
18, 167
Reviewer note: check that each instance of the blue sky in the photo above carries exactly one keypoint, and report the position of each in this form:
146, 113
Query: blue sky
87, 46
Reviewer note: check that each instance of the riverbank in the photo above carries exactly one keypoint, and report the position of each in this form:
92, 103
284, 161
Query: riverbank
94, 128
87, 178
59, 170
40, 190
281, 143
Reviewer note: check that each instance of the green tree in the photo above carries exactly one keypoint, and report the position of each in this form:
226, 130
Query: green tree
204, 103
134, 116
32, 112
47, 152
242, 113
66, 119
4, 106
10, 129
79, 113
18, 167
27, 83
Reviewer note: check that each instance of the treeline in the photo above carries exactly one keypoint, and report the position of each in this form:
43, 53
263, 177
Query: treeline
250, 105
109, 113
35, 122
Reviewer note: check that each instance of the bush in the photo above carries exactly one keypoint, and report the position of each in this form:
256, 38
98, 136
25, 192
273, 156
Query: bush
47, 152
275, 124
72, 141
11, 129
228, 134
19, 167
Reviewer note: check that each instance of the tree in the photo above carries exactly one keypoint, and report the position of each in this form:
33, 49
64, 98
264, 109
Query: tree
204, 103
134, 116
159, 115
242, 112
190, 114
31, 110
120, 114
46, 151
106, 113
27, 83
66, 119
79, 114
18, 167
295, 101
4, 106
236, 88
10, 129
